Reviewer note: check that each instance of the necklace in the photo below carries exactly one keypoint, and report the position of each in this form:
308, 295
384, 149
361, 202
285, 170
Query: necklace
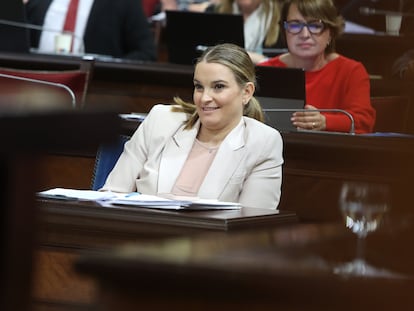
204, 146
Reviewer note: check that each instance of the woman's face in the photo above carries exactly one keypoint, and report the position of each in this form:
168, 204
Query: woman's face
218, 97
248, 6
305, 44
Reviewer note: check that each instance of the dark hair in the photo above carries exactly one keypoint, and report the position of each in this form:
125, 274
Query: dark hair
239, 62
325, 10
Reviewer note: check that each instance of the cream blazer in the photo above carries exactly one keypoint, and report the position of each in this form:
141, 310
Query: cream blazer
247, 167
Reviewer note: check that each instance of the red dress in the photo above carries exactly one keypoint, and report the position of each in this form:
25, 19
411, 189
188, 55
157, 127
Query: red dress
342, 84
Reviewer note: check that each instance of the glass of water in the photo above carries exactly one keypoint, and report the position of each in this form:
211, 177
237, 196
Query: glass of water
363, 206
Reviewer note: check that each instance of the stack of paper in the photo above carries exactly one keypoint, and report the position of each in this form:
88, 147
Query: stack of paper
133, 116
151, 201
144, 200
74, 194
137, 199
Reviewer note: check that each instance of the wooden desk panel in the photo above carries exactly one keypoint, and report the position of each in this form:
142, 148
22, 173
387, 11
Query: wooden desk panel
317, 164
137, 86
66, 228
287, 268
25, 135
134, 86
376, 52
57, 285
89, 225
66, 171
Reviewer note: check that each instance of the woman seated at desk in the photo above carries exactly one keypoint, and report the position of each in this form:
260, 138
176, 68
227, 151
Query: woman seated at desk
217, 148
332, 80
261, 23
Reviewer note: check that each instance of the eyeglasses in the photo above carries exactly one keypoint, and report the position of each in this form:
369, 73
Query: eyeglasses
295, 27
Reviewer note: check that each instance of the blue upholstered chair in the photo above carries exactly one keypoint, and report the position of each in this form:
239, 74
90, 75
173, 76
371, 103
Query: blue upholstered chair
106, 157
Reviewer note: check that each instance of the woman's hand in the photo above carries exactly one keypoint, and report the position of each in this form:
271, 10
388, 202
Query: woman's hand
309, 120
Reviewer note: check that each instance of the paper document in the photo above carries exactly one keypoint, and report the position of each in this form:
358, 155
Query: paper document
74, 194
147, 200
136, 199
151, 201
133, 116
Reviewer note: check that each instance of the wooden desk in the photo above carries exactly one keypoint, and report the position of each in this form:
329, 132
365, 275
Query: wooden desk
90, 225
289, 268
66, 228
316, 164
315, 167
137, 86
26, 133
133, 86
377, 52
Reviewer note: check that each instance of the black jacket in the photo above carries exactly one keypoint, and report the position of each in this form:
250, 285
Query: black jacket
115, 27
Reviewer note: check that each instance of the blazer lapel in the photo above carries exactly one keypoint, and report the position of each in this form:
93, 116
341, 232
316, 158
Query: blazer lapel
174, 156
227, 160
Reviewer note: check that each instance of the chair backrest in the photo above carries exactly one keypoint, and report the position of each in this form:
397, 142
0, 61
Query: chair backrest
392, 113
75, 82
106, 158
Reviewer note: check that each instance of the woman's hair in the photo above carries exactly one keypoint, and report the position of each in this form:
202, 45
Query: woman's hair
272, 11
325, 10
239, 62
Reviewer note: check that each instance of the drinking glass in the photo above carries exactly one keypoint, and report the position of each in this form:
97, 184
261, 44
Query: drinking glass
393, 24
363, 206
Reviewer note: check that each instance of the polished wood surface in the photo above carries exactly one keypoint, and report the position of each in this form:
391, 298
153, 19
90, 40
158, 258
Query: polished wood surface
27, 132
67, 227
377, 52
56, 285
316, 165
134, 86
288, 268
80, 224
137, 86
131, 85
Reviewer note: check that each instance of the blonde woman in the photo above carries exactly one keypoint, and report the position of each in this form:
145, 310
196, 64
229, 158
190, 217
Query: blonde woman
216, 147
261, 23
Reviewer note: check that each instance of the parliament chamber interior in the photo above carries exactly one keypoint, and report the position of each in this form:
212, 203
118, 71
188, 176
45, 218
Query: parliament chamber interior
75, 255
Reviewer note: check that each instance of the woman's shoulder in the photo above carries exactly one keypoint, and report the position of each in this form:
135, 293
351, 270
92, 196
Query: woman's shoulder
255, 127
166, 113
343, 61
261, 138
342, 66
162, 109
274, 61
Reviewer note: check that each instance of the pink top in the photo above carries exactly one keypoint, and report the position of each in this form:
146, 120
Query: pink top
194, 170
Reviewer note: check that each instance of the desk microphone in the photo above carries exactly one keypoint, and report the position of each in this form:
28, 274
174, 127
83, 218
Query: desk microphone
351, 130
372, 11
58, 85
7, 22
